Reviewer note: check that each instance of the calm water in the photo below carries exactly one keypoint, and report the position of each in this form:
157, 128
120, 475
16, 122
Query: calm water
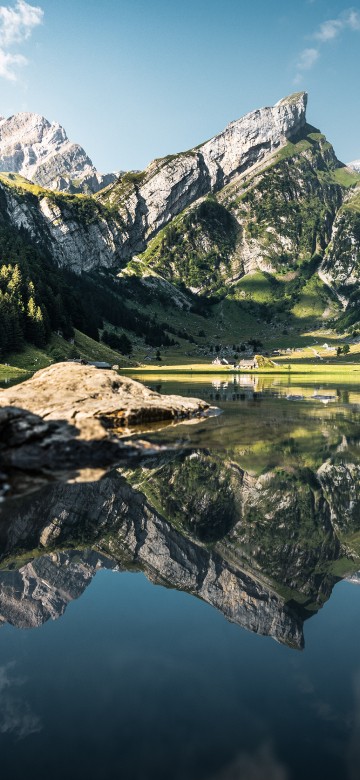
189, 619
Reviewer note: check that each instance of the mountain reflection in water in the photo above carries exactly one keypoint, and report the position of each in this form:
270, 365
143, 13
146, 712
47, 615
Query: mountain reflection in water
257, 512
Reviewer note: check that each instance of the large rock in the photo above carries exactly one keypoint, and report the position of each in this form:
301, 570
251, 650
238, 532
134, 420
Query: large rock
34, 452
65, 420
96, 400
41, 151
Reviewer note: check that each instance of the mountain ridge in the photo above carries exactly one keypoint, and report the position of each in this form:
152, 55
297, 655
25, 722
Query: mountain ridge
131, 211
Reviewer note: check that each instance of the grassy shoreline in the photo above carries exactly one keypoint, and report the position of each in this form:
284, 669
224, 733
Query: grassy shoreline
296, 369
305, 368
10, 372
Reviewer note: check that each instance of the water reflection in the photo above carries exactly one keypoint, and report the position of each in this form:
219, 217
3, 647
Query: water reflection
256, 512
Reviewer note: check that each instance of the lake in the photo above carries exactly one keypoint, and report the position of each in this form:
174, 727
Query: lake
195, 617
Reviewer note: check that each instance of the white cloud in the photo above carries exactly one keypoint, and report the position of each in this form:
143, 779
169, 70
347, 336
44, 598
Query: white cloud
261, 765
16, 715
7, 64
16, 25
353, 20
328, 31
332, 28
307, 59
18, 719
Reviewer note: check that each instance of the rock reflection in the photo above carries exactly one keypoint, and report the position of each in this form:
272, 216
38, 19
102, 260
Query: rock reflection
266, 550
261, 526
124, 530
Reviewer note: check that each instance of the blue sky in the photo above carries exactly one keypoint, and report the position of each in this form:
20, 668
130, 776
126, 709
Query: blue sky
131, 80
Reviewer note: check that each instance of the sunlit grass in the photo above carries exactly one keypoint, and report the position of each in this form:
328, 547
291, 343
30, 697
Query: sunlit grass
32, 358
345, 177
19, 182
9, 372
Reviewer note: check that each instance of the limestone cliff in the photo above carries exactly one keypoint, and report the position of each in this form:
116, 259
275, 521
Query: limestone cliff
289, 529
275, 216
41, 589
149, 200
342, 259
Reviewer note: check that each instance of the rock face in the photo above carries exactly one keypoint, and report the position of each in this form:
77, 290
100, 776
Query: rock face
259, 520
341, 264
167, 186
136, 207
259, 221
41, 151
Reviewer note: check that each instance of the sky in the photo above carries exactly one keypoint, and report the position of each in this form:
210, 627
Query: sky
131, 80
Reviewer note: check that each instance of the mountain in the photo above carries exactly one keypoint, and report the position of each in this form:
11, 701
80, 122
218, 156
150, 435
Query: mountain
121, 525
355, 165
41, 151
149, 200
258, 226
109, 230
126, 532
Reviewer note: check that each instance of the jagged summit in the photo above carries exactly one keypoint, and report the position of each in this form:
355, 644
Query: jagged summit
41, 151
248, 139
295, 97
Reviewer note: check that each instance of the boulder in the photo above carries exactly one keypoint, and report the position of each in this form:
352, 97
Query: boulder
96, 400
65, 423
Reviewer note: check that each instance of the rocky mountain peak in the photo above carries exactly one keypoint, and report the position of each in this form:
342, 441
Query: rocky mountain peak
169, 185
355, 165
248, 139
40, 151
